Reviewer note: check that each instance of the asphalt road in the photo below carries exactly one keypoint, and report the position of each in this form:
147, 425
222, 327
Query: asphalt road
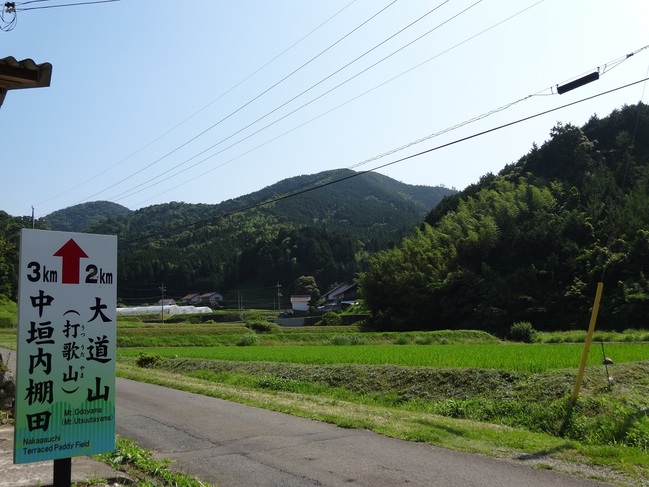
232, 445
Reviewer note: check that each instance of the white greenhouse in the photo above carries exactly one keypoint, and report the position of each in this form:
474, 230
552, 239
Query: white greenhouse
174, 309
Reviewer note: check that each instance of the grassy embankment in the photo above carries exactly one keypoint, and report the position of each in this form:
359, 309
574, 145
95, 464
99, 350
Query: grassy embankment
462, 390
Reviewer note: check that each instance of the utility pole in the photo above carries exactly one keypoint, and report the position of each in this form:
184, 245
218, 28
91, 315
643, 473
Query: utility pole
279, 297
162, 302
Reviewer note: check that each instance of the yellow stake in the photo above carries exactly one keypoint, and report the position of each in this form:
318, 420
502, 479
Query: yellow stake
589, 338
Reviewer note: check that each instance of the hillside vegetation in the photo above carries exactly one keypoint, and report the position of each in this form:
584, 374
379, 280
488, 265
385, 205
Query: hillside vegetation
458, 389
254, 241
531, 243
79, 217
527, 245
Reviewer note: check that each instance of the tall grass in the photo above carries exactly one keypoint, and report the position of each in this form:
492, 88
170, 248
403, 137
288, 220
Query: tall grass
579, 336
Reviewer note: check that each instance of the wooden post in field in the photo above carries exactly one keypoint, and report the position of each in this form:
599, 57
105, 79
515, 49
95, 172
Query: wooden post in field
589, 338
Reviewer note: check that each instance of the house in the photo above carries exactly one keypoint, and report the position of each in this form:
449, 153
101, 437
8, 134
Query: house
300, 303
342, 293
190, 299
339, 297
210, 299
166, 302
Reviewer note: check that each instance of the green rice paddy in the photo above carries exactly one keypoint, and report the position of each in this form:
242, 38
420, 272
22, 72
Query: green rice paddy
505, 356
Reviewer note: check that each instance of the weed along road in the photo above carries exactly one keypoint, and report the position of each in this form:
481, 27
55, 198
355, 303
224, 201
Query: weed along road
232, 445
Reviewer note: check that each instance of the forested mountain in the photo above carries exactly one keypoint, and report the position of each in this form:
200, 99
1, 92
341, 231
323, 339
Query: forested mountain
326, 233
527, 244
79, 217
531, 243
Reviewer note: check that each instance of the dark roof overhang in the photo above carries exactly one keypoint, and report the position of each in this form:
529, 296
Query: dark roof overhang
16, 75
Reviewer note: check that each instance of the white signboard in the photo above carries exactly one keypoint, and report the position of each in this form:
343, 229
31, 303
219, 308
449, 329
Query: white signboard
65, 378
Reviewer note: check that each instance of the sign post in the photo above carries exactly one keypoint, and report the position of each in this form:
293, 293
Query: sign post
65, 377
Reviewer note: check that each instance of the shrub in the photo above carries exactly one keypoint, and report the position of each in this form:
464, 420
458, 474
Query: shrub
522, 331
638, 434
402, 340
247, 340
262, 326
147, 360
6, 321
259, 323
331, 319
423, 339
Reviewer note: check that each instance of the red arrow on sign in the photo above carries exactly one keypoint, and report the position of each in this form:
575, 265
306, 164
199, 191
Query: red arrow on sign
71, 255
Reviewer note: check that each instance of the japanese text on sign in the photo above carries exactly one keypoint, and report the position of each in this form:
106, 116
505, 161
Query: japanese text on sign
65, 394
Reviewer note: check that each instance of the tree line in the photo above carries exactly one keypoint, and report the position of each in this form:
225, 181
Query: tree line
531, 243
528, 244
325, 234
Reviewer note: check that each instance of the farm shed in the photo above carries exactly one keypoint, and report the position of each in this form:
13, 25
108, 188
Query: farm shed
300, 303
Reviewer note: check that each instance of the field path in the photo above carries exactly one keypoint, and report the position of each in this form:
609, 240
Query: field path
232, 445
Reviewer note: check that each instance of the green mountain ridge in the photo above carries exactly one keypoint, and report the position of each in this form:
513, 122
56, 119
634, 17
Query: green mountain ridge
79, 217
529, 244
375, 189
323, 225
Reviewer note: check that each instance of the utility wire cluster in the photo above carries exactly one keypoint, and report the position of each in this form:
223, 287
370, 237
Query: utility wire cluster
332, 180
180, 168
9, 16
179, 171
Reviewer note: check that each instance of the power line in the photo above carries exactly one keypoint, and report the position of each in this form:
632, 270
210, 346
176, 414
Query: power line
549, 90
135, 190
21, 9
179, 228
245, 104
201, 109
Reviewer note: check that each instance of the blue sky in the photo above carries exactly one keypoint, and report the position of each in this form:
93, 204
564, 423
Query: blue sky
204, 101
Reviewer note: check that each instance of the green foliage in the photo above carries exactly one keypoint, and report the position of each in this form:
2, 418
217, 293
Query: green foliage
8, 313
353, 349
351, 339
9, 242
80, 217
579, 336
537, 402
323, 234
403, 340
139, 463
147, 360
522, 331
248, 340
307, 285
531, 243
275, 383
259, 323
330, 318
262, 326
